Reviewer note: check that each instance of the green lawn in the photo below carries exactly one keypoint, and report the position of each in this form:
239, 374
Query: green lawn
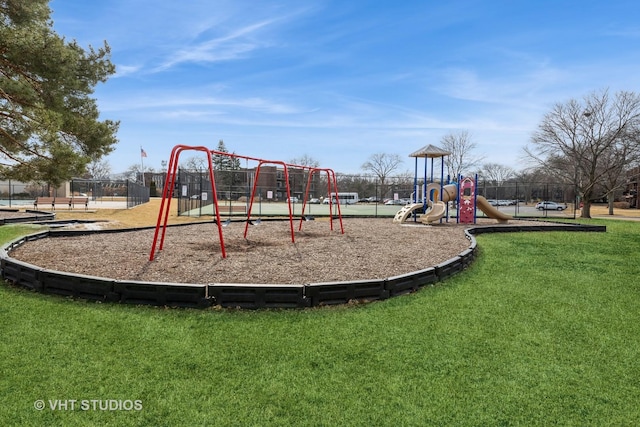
543, 329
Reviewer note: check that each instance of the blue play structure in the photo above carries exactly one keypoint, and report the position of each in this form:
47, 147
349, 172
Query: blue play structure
432, 199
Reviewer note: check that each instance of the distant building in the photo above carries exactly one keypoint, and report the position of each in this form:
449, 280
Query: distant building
16, 189
630, 193
234, 184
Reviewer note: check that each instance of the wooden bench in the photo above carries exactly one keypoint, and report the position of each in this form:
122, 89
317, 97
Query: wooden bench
70, 202
50, 201
83, 201
62, 201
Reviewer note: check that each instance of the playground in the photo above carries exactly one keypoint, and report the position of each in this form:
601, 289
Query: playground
533, 308
319, 256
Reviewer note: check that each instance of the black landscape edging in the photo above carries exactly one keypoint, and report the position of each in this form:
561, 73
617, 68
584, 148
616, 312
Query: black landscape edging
247, 296
38, 216
162, 294
233, 295
335, 293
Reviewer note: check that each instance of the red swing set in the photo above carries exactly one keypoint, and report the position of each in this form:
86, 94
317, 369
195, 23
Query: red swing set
172, 172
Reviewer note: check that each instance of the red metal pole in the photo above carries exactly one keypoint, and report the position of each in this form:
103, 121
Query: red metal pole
164, 195
335, 186
167, 196
253, 193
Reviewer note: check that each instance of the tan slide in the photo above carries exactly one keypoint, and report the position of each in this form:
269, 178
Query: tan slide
491, 211
403, 214
435, 213
439, 209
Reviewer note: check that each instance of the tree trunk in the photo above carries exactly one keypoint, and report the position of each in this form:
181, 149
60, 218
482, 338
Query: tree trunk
610, 201
586, 209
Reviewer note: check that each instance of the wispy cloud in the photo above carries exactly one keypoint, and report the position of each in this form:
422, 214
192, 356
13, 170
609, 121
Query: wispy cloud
126, 70
171, 103
518, 89
358, 76
227, 47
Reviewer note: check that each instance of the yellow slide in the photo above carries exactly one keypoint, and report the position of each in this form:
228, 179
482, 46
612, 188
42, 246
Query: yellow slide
436, 212
491, 211
439, 208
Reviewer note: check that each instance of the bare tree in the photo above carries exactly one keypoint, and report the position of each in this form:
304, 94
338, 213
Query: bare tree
526, 180
497, 174
318, 179
382, 165
614, 177
196, 164
590, 139
134, 172
305, 160
99, 169
461, 160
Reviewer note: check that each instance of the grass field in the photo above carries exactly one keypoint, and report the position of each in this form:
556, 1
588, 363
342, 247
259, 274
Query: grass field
541, 330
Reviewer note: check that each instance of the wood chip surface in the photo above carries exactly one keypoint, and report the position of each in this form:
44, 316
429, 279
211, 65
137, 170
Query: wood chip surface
368, 249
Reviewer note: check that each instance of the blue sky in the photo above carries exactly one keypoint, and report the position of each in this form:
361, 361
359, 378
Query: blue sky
341, 80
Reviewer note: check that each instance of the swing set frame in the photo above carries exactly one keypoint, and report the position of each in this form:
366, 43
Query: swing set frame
172, 172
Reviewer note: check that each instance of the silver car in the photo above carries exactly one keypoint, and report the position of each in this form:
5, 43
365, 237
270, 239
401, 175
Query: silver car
550, 206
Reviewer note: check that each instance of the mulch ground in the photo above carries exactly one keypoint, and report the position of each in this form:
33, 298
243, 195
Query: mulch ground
368, 249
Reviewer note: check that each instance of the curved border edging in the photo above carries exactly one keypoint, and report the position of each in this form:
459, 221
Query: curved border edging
38, 216
231, 295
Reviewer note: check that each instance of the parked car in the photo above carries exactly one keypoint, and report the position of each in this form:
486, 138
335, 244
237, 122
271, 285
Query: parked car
293, 200
371, 199
314, 201
550, 206
396, 202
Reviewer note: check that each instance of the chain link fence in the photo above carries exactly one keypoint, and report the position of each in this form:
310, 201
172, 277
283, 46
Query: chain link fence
106, 189
17, 193
233, 188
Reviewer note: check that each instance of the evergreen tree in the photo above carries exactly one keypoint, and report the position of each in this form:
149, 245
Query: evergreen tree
49, 127
224, 162
226, 168
220, 161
